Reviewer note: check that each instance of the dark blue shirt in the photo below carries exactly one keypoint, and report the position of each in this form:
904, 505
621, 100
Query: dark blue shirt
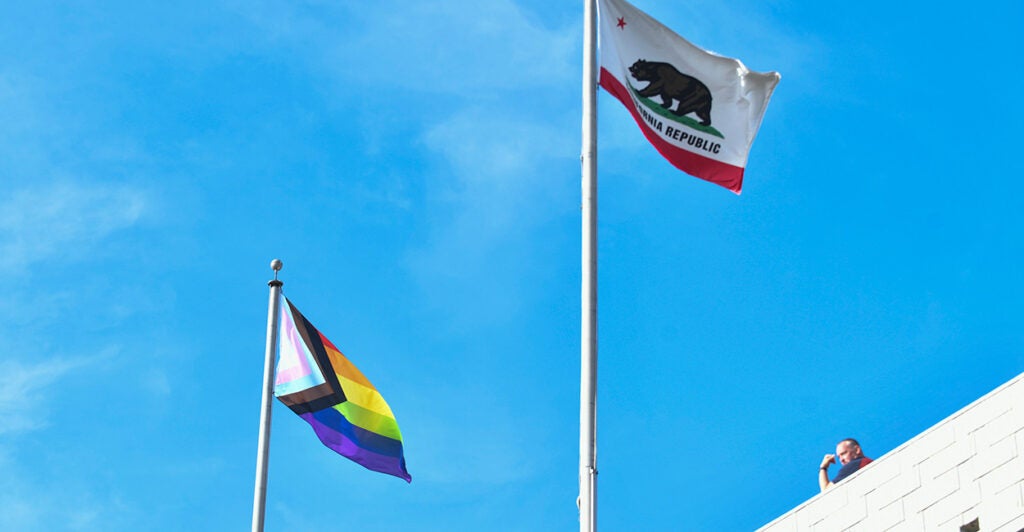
851, 466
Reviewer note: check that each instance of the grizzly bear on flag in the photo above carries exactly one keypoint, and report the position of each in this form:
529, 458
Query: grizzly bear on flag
671, 84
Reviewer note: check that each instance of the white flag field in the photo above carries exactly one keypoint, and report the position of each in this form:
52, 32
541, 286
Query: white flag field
700, 110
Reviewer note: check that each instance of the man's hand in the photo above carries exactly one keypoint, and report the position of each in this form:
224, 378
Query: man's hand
823, 481
828, 460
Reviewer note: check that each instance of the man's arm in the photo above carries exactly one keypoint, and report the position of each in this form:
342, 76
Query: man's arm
823, 481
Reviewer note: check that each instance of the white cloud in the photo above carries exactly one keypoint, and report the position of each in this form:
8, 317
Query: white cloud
499, 153
749, 31
157, 383
507, 173
64, 219
502, 60
33, 501
508, 136
443, 46
25, 387
498, 457
508, 177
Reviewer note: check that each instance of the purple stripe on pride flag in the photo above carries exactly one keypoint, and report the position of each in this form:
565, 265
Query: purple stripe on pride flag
363, 438
344, 446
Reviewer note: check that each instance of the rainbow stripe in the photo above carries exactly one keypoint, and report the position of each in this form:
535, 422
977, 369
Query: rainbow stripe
347, 413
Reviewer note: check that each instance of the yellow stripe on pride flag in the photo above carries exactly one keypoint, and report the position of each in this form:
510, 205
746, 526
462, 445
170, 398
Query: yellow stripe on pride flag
367, 398
357, 387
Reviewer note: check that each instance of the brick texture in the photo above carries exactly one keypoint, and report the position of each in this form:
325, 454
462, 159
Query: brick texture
968, 466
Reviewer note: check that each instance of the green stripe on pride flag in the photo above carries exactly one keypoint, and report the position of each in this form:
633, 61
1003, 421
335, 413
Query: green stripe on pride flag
657, 109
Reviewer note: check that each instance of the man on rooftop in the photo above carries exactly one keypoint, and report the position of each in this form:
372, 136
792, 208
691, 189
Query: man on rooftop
850, 456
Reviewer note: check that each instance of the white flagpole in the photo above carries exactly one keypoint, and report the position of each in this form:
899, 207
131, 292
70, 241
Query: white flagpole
588, 292
259, 501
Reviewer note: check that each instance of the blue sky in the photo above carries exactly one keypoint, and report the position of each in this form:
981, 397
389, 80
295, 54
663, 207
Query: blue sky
415, 166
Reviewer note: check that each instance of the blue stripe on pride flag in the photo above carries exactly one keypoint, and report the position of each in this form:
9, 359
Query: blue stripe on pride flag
365, 439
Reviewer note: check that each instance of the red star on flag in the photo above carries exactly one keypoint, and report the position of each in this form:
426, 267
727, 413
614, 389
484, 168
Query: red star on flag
622, 23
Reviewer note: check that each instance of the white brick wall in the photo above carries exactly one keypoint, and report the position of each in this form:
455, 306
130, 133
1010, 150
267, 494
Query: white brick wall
969, 466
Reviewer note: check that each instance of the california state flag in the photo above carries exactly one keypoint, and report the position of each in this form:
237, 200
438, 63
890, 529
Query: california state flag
699, 109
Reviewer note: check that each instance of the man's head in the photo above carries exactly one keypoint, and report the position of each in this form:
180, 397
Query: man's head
847, 450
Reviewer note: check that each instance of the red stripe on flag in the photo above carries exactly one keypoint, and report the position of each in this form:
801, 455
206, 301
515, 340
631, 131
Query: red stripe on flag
717, 172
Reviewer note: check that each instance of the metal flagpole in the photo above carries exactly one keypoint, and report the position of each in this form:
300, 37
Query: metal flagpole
259, 500
588, 292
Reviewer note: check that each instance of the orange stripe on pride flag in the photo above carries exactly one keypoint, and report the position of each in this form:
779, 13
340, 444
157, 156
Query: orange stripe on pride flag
342, 366
357, 387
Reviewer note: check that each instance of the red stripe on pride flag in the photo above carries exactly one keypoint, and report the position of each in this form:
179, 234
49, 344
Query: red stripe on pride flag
717, 172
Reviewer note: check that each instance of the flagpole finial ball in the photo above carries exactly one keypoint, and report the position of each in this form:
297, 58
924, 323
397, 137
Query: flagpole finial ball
276, 265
